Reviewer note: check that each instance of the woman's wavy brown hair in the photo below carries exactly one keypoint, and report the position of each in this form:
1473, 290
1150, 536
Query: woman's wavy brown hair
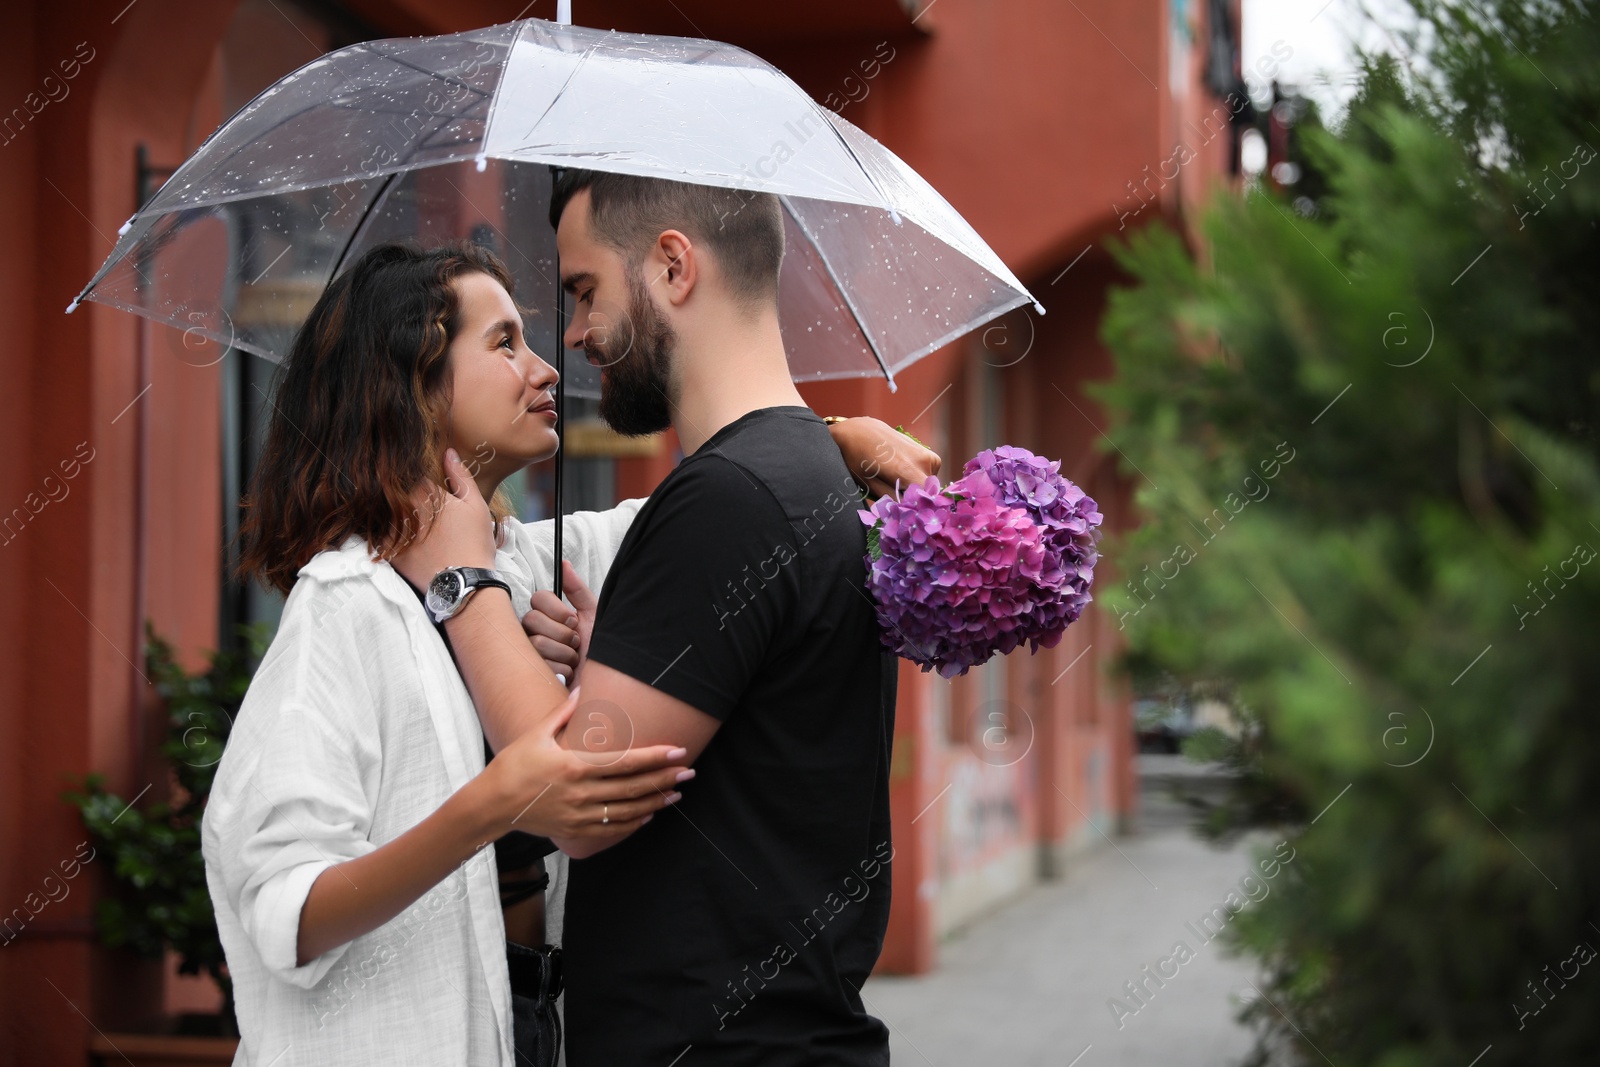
359, 417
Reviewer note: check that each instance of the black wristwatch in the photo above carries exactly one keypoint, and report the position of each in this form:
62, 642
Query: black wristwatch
452, 586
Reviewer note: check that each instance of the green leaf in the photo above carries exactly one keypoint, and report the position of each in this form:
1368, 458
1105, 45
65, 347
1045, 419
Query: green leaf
909, 434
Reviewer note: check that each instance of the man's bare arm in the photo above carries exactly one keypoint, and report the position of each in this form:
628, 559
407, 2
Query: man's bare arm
617, 713
514, 690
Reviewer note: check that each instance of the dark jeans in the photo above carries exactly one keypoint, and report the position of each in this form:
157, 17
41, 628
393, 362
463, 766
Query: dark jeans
535, 985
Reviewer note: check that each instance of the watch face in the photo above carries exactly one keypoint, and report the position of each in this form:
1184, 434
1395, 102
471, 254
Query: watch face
444, 591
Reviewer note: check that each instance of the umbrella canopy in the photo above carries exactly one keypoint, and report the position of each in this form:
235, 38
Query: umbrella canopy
426, 137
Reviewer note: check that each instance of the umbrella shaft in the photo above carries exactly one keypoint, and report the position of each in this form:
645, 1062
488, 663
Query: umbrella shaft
561, 416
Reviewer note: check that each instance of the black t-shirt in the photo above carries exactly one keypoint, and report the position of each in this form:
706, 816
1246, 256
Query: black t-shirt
743, 920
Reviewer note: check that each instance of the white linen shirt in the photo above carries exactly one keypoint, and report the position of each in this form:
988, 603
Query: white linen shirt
356, 727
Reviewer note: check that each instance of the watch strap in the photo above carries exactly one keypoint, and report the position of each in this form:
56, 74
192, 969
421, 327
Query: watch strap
478, 577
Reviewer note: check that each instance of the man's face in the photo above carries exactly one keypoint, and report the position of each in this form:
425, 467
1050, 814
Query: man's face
617, 325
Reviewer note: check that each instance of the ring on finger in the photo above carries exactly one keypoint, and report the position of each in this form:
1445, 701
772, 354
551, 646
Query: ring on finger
605, 813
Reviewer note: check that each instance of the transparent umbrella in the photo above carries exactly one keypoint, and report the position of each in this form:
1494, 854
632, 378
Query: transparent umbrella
455, 136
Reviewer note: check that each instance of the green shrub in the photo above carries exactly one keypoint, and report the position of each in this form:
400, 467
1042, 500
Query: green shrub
160, 897
1369, 476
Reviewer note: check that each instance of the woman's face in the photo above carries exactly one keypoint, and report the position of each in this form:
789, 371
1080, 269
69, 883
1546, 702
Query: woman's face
502, 407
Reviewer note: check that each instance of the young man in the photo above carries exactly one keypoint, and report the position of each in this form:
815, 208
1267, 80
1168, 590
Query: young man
738, 927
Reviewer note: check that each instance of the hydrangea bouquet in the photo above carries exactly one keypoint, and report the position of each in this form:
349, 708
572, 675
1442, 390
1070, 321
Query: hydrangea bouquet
1002, 556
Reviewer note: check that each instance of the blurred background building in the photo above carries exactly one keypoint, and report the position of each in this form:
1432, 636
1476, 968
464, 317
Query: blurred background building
1051, 126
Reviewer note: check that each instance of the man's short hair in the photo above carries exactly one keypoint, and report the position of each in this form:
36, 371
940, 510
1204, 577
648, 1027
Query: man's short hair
743, 230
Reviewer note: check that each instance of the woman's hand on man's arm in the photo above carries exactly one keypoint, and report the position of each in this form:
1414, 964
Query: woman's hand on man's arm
534, 785
882, 459
621, 714
541, 787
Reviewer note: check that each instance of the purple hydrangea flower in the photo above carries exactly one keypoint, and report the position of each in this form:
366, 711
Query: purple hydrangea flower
1002, 557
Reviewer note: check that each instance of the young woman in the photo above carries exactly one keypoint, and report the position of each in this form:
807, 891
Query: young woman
345, 836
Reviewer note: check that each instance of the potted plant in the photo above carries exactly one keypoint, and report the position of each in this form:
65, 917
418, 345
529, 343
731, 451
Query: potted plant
160, 899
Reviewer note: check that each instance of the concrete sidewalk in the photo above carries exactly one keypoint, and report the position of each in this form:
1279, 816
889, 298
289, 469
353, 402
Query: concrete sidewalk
1030, 985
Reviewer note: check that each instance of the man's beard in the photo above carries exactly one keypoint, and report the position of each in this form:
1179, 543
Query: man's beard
634, 391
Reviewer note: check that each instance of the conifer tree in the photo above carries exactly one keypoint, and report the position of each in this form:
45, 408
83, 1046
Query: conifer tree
1369, 485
